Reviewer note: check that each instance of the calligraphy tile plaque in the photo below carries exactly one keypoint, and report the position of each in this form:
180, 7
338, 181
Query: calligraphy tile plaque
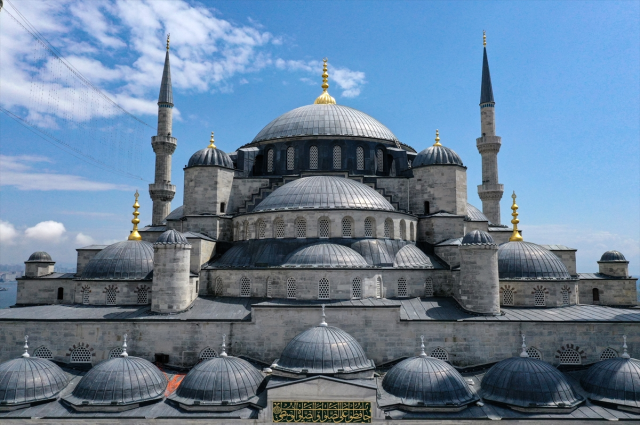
337, 412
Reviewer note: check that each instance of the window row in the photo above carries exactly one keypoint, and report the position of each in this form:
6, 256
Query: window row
245, 231
84, 354
539, 294
111, 295
314, 156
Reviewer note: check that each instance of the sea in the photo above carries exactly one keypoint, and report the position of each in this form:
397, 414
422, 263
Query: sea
8, 297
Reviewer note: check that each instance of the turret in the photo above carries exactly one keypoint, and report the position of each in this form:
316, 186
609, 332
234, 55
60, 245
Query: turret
173, 290
161, 190
490, 191
38, 264
479, 289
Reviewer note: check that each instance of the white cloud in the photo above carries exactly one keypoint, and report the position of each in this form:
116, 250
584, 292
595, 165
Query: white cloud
49, 231
350, 82
84, 240
8, 232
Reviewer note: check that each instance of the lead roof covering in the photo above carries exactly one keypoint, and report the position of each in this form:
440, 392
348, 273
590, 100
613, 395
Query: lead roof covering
615, 381
29, 380
474, 214
613, 256
325, 254
210, 157
477, 237
436, 155
39, 256
411, 257
127, 260
526, 260
325, 120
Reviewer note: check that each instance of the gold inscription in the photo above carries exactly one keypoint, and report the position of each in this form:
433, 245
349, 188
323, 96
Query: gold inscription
337, 412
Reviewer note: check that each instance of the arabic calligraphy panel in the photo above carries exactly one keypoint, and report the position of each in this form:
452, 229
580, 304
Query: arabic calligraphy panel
337, 412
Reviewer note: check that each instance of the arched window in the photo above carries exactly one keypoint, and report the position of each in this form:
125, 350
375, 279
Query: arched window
60, 294
507, 297
291, 288
261, 229
217, 289
115, 353
347, 227
596, 295
222, 207
245, 230
337, 157
539, 298
608, 353
534, 353
427, 208
323, 289
270, 161
565, 297
43, 353
208, 353
301, 228
369, 227
245, 287
356, 288
411, 233
111, 296
359, 158
143, 295
440, 354
85, 295
323, 227
570, 356
290, 157
428, 287
380, 161
278, 228
388, 228
269, 287
402, 287
313, 157
378, 287
403, 230
80, 355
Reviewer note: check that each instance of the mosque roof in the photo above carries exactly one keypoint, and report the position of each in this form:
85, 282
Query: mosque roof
39, 257
474, 214
477, 237
325, 120
486, 92
612, 256
171, 237
166, 92
28, 380
210, 157
410, 256
436, 155
526, 260
325, 254
130, 259
176, 214
614, 381
324, 192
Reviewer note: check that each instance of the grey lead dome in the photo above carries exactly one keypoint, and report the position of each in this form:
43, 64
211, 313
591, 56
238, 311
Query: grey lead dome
210, 157
171, 237
121, 260
526, 260
477, 237
325, 120
325, 255
39, 257
27, 380
614, 381
612, 256
436, 155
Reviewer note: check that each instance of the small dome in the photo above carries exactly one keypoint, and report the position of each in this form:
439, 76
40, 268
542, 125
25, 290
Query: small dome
612, 256
436, 155
176, 214
324, 120
171, 237
128, 260
323, 350
428, 382
523, 382
118, 382
474, 214
328, 192
27, 380
526, 260
410, 256
325, 254
614, 381
209, 157
375, 251
477, 237
221, 380
40, 257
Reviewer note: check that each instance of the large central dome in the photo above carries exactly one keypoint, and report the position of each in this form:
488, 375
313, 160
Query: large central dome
325, 120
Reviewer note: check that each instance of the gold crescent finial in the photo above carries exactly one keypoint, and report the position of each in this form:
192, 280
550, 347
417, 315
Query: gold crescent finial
135, 236
211, 142
484, 38
515, 236
437, 143
325, 98
168, 35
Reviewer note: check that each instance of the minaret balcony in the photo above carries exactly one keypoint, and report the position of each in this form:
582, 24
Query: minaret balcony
162, 191
490, 191
164, 145
488, 144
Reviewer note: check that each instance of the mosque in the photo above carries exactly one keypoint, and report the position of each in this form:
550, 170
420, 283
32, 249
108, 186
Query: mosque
324, 272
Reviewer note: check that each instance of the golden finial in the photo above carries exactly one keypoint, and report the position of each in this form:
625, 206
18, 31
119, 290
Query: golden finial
437, 143
168, 35
135, 236
515, 237
484, 38
211, 145
325, 98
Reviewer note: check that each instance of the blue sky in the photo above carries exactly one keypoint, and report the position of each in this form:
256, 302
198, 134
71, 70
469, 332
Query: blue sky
565, 75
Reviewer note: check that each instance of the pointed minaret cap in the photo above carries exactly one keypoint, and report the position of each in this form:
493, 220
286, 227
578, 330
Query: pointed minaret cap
486, 91
625, 355
26, 347
166, 91
324, 322
515, 236
325, 98
224, 346
135, 236
422, 353
437, 143
124, 346
524, 348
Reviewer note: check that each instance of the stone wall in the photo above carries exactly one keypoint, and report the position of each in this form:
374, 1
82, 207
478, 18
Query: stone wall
478, 289
568, 258
242, 190
44, 291
436, 229
611, 268
205, 188
611, 292
524, 292
501, 236
86, 254
172, 287
397, 188
449, 253
444, 186
202, 251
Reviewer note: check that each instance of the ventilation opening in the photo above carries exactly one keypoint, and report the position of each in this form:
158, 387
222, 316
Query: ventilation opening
222, 207
313, 157
245, 287
356, 288
368, 227
570, 356
565, 297
359, 158
291, 288
609, 353
301, 228
111, 297
80, 355
143, 296
269, 286
60, 294
534, 353
43, 353
347, 228
115, 352
217, 289
323, 289
428, 287
378, 287
290, 158
427, 208
323, 228
440, 353
85, 296
507, 297
538, 298
402, 287
596, 295
208, 353
262, 229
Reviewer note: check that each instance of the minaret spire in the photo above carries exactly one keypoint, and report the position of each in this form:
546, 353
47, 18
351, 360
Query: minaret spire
134, 235
325, 98
161, 190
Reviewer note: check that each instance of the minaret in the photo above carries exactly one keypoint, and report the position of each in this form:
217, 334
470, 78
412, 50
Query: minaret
162, 191
490, 191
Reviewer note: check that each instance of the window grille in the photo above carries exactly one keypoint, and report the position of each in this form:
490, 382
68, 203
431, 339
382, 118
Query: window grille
428, 287
323, 227
608, 353
291, 288
261, 229
43, 353
313, 157
411, 238
269, 287
538, 298
278, 228
301, 228
388, 228
85, 296
217, 290
290, 157
270, 161
368, 227
245, 230
507, 297
440, 354
80, 355
208, 353
380, 160
378, 287
402, 287
115, 352
245, 287
403, 230
337, 157
356, 288
359, 158
323, 289
570, 356
565, 297
111, 297
347, 228
534, 353
143, 296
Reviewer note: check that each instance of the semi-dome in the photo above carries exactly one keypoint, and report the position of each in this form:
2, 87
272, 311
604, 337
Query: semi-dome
224, 380
474, 214
429, 383
210, 157
410, 256
614, 381
525, 383
325, 254
328, 192
28, 380
127, 260
612, 256
120, 383
39, 257
477, 237
526, 260
436, 155
325, 120
171, 237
